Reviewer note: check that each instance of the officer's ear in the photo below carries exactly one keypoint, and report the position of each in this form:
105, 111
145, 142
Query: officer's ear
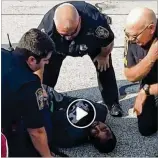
31, 61
152, 28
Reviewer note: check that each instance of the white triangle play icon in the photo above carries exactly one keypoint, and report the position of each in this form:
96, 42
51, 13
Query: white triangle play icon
80, 113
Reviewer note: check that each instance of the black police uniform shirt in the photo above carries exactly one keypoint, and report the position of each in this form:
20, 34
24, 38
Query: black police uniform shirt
21, 92
94, 34
135, 53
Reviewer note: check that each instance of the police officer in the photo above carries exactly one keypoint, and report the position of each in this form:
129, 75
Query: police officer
141, 64
23, 111
78, 28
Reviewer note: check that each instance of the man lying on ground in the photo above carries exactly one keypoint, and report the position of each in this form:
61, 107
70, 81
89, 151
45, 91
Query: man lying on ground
66, 135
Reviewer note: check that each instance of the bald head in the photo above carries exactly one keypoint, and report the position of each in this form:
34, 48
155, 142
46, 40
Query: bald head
66, 17
140, 25
139, 18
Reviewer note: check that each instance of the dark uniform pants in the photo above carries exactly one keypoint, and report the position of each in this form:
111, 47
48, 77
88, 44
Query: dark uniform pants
106, 79
19, 141
21, 147
148, 120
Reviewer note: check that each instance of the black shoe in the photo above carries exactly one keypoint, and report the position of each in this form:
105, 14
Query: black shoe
116, 110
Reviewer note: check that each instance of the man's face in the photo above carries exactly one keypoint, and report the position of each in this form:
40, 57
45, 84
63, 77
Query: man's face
37, 66
140, 36
101, 131
44, 61
71, 33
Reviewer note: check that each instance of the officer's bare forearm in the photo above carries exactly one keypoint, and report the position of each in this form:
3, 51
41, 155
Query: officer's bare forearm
153, 90
107, 50
40, 142
139, 71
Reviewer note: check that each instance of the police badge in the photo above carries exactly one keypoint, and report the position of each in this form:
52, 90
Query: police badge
43, 30
40, 98
102, 32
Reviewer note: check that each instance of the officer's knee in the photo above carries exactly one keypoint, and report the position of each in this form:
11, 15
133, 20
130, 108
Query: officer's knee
147, 131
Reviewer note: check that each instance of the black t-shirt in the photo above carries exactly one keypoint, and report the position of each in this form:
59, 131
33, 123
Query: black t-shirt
94, 34
21, 93
135, 53
64, 134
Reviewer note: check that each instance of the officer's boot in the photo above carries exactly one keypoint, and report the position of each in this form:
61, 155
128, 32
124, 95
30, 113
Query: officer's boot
115, 110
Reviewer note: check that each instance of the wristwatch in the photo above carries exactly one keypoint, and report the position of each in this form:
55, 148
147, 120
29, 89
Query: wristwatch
146, 89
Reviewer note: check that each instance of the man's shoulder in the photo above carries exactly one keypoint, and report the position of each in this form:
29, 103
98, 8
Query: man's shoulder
133, 48
135, 52
5, 54
26, 74
19, 76
94, 20
6, 62
92, 13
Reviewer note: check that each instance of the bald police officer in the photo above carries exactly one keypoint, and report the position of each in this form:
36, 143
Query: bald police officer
78, 28
141, 64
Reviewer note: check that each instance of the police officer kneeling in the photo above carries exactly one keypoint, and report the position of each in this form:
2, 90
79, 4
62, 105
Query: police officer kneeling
23, 119
78, 28
141, 64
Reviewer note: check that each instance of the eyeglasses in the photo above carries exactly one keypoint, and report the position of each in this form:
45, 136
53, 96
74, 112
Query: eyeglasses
134, 38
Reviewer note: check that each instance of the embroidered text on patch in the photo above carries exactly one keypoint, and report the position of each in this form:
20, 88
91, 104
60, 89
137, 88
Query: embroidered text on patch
102, 32
39, 97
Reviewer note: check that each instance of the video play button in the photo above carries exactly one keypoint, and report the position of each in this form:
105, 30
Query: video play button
81, 113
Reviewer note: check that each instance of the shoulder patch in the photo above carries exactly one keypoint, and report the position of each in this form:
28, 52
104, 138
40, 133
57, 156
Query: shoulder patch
102, 32
125, 51
40, 98
125, 46
125, 61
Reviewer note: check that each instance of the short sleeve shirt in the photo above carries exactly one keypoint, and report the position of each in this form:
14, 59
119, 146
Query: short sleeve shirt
134, 53
31, 98
94, 34
22, 95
